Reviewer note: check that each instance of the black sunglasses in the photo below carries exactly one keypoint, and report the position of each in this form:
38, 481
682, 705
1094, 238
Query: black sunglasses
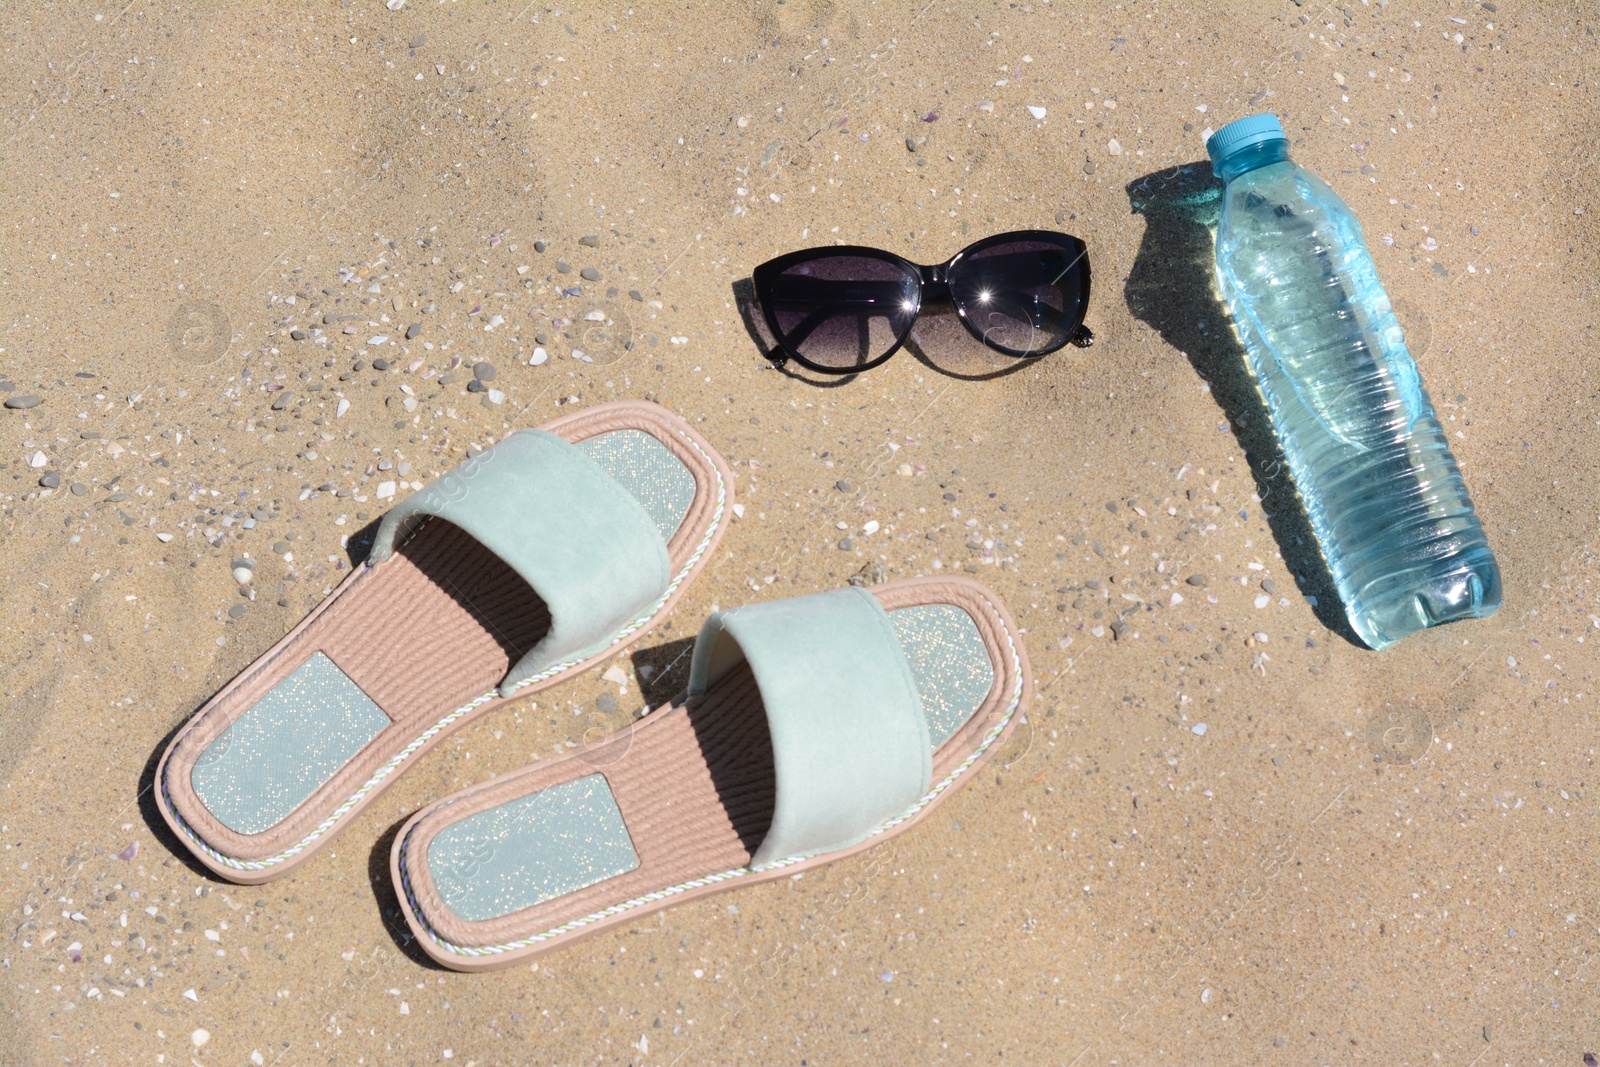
848, 308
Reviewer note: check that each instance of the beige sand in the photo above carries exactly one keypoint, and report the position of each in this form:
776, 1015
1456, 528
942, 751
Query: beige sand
1383, 858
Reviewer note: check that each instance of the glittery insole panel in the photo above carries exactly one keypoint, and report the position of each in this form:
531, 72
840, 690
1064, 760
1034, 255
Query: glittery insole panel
948, 662
279, 752
696, 790
531, 850
648, 470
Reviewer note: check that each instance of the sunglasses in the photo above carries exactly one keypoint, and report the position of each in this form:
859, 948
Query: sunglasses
848, 308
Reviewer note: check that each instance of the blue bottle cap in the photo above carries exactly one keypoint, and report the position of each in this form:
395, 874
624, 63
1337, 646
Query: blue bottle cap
1243, 133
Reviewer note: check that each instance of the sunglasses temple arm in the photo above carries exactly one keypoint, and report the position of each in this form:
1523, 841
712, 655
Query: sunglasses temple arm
1049, 316
1054, 319
1081, 336
807, 326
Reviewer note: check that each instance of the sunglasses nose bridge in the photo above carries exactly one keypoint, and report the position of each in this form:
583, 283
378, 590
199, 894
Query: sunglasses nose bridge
935, 284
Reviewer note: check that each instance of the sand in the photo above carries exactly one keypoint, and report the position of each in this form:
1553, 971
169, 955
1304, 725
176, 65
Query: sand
1228, 835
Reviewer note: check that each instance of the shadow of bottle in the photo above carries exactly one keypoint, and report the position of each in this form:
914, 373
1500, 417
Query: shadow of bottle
1172, 288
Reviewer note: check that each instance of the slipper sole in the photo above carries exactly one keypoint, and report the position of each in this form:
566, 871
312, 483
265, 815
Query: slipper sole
517, 938
255, 859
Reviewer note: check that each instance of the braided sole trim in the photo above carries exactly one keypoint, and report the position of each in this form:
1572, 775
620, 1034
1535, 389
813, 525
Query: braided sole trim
394, 763
720, 876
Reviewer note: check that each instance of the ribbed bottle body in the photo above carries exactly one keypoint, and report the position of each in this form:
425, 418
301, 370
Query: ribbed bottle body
1365, 449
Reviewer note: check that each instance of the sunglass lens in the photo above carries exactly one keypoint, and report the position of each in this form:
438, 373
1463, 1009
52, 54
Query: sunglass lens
842, 311
1023, 297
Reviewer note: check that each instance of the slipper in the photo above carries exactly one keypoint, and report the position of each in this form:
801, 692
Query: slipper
537, 559
815, 728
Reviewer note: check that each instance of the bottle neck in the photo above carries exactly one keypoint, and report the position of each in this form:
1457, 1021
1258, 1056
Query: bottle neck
1256, 156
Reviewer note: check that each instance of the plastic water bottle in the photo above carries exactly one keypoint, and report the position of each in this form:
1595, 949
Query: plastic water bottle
1364, 446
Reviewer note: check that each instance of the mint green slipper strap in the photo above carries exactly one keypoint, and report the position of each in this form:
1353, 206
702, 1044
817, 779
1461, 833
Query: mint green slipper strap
849, 738
584, 544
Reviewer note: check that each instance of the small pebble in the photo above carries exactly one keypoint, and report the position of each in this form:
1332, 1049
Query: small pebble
1036, 112
79, 489
1268, 585
27, 400
483, 371
563, 266
380, 364
842, 485
606, 704
412, 331
911, 144
200, 1037
589, 274
538, 358
1090, 167
477, 386
591, 241
419, 40
297, 334
845, 544
50, 479
238, 611
540, 246
1196, 579
636, 295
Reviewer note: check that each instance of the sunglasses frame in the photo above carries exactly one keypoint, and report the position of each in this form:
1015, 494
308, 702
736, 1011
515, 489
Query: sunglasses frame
934, 280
